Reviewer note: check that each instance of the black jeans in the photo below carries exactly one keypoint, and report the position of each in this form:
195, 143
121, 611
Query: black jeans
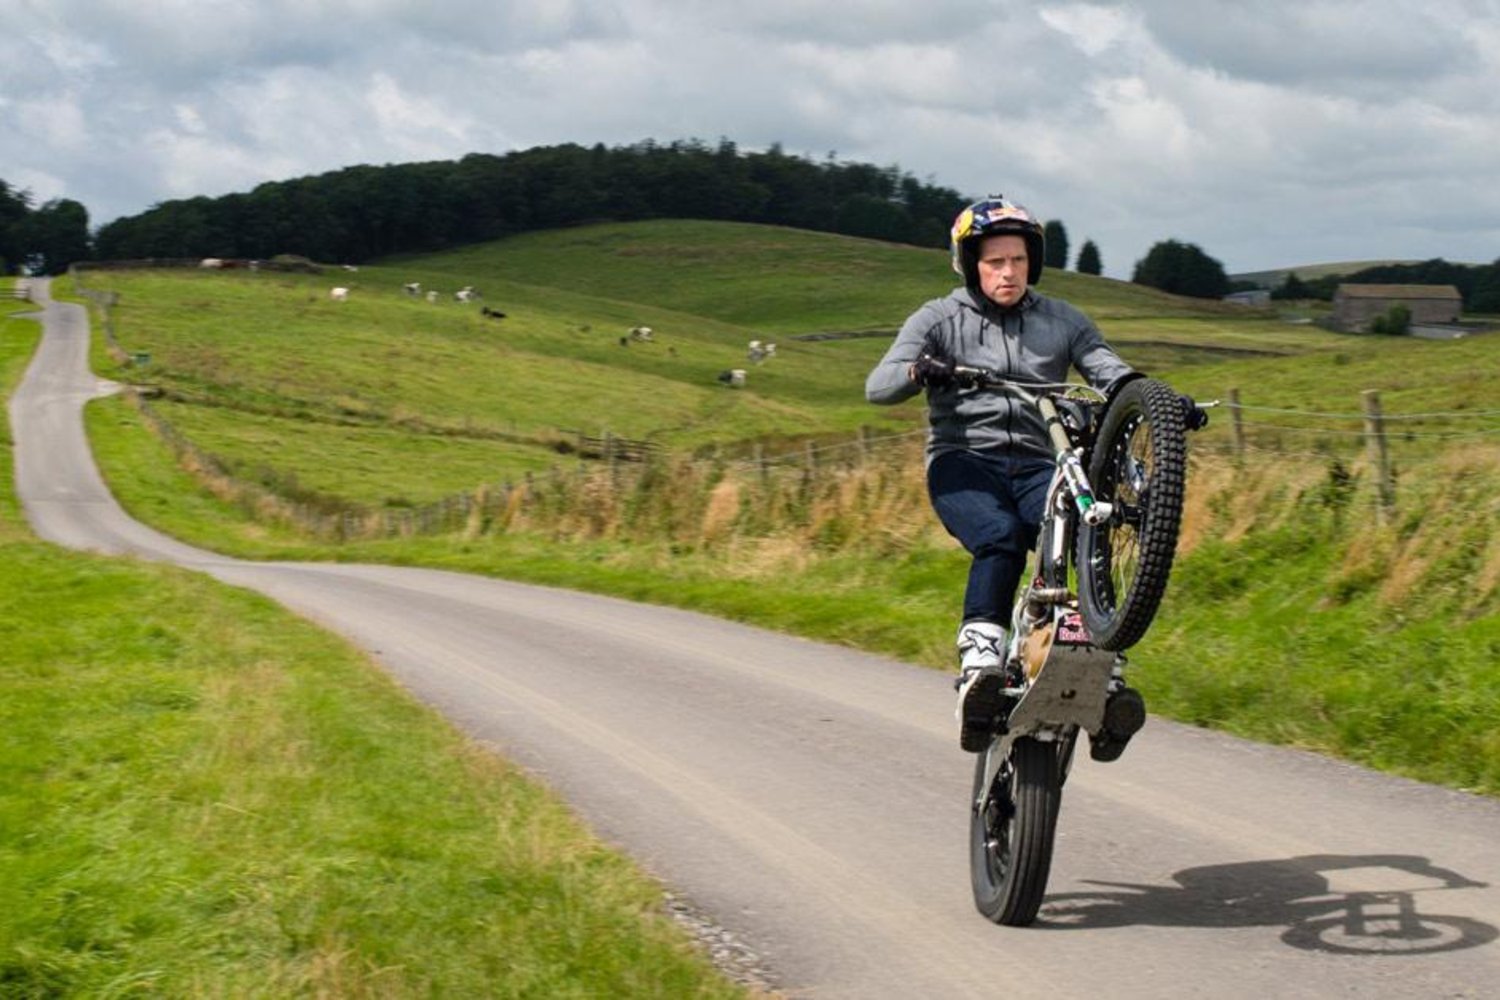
993, 504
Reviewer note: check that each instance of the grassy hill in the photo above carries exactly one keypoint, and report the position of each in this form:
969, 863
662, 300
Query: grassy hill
385, 403
1307, 272
252, 361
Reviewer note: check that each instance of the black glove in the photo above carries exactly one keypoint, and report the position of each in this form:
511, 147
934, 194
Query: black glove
933, 372
1193, 415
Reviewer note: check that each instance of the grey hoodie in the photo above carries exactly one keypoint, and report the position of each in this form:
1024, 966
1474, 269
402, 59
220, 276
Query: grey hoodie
1038, 339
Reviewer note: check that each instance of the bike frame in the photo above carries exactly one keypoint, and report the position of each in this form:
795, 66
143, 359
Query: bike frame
1065, 680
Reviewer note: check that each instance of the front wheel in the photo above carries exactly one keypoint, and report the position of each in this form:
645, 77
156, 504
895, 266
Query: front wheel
1139, 467
1011, 831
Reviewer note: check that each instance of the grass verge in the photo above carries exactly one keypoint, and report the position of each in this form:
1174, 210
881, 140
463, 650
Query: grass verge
203, 795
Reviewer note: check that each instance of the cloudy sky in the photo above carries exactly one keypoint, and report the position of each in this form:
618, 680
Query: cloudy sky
1271, 133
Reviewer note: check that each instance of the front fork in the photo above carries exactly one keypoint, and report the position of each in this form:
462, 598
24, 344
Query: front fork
1070, 464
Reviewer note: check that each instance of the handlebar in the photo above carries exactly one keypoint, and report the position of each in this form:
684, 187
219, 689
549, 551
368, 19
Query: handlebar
1035, 392
1029, 391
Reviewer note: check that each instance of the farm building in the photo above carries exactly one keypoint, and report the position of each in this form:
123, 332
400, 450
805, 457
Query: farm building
1356, 306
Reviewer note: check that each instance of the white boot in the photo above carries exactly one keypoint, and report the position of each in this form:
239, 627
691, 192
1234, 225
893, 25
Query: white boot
981, 646
981, 682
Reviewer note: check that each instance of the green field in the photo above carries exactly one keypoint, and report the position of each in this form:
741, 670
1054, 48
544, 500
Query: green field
203, 795
1296, 615
512, 393
383, 402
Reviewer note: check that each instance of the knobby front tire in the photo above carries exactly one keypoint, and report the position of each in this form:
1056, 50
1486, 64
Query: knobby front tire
1138, 465
1011, 838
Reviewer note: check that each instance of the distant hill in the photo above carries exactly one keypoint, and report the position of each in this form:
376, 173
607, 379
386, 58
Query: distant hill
1308, 272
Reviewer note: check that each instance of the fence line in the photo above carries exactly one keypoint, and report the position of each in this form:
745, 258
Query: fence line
342, 519
793, 486
1447, 415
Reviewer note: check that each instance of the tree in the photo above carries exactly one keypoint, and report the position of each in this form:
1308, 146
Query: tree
1056, 236
54, 236
1182, 269
364, 212
1088, 259
1292, 287
874, 218
1486, 296
1396, 321
15, 206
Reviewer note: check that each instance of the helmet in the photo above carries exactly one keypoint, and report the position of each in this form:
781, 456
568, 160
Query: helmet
994, 216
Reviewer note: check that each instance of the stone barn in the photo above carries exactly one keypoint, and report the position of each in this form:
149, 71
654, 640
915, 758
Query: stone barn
1356, 306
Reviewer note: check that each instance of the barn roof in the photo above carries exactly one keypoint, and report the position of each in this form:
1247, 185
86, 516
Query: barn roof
1398, 292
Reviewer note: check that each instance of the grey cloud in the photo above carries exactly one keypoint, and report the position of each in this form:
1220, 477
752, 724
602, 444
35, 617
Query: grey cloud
1362, 46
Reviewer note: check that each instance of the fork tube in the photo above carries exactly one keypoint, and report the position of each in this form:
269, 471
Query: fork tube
1067, 459
1055, 430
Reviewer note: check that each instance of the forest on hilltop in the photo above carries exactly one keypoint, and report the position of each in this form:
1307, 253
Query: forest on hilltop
365, 212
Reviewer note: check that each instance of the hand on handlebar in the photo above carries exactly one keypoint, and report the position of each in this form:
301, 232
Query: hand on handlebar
933, 372
1195, 416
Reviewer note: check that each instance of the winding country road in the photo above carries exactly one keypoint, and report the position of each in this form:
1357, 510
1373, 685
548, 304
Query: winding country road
812, 800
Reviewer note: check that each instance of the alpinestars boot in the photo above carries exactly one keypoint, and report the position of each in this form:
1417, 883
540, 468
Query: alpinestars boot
981, 683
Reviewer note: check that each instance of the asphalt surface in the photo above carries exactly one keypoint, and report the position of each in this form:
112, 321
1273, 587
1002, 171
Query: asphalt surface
811, 801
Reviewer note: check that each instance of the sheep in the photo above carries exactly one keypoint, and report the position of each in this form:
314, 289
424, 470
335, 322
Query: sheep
733, 377
413, 289
757, 351
468, 293
491, 313
211, 263
339, 294
640, 333
432, 296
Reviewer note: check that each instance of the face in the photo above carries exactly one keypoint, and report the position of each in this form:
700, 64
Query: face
1003, 267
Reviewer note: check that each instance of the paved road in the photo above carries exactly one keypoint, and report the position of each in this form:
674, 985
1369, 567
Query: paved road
811, 799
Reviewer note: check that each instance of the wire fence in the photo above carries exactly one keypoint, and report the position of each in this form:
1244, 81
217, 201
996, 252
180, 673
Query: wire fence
604, 489
812, 469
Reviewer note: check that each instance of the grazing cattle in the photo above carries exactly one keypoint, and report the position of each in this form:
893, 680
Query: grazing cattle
412, 288
733, 377
432, 296
640, 333
339, 294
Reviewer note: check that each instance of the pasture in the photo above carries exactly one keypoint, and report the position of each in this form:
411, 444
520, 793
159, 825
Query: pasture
384, 401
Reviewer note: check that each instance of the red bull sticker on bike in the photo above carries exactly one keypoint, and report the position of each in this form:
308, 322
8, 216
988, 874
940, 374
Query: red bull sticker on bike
1071, 630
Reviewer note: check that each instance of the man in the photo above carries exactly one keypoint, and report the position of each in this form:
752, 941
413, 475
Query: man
988, 457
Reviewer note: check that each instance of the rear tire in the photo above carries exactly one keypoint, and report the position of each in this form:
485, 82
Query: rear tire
1011, 838
1139, 465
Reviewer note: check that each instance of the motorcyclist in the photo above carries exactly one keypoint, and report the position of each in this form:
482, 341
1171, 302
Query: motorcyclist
989, 460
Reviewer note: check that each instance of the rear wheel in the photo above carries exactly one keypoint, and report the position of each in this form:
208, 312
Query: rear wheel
1011, 832
1139, 466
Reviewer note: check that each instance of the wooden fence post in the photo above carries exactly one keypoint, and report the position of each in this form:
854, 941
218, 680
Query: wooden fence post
1375, 441
1236, 423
